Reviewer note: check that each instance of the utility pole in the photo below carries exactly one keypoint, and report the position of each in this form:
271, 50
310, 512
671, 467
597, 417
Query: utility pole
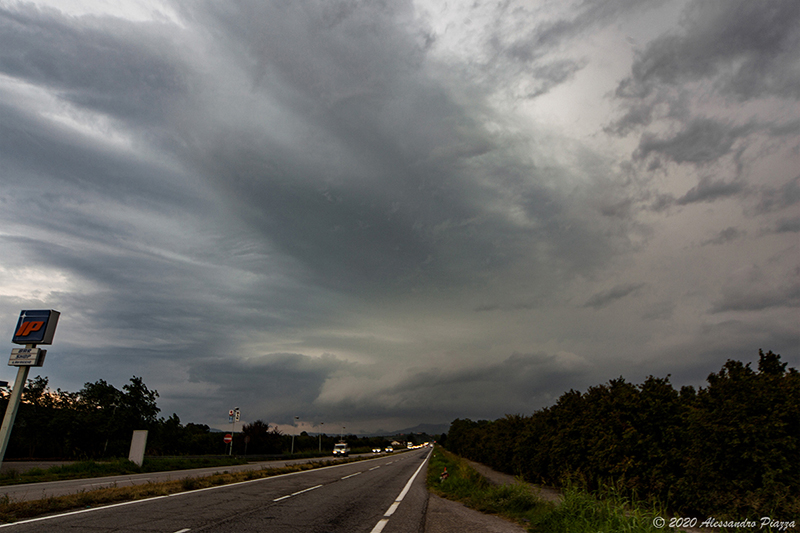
293, 423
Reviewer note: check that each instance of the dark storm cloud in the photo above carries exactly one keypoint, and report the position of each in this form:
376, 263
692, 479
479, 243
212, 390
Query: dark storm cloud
788, 225
659, 311
753, 299
277, 386
748, 48
523, 54
215, 200
117, 67
413, 207
602, 299
725, 236
709, 190
527, 380
775, 199
587, 14
701, 141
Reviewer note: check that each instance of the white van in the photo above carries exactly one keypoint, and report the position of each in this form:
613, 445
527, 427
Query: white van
341, 449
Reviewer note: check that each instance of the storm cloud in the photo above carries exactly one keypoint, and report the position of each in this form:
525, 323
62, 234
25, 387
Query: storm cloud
378, 215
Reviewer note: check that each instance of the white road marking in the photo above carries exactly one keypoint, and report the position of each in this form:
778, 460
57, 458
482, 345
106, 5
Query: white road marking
351, 475
296, 493
380, 525
374, 467
215, 487
305, 490
392, 508
183, 530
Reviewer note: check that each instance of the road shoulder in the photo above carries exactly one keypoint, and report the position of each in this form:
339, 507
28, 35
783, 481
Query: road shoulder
445, 516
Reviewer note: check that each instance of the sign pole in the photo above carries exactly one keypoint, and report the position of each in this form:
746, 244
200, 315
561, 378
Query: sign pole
13, 405
33, 327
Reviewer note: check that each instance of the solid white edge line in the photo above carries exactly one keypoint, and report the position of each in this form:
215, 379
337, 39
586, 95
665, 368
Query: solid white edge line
392, 508
41, 518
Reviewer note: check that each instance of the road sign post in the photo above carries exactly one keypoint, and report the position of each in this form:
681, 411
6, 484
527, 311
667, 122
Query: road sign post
33, 327
233, 417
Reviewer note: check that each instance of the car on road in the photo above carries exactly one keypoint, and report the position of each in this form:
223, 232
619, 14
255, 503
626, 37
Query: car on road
341, 449
389, 449
376, 450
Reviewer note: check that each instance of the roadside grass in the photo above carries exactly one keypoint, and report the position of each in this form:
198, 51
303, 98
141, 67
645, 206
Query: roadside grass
114, 467
579, 512
11, 511
582, 512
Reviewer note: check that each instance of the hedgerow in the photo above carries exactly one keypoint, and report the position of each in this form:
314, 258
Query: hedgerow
730, 449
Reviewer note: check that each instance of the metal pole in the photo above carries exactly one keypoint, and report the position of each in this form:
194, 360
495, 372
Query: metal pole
320, 437
233, 431
13, 405
293, 423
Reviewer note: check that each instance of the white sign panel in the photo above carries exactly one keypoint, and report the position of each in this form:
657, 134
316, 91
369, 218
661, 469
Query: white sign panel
27, 357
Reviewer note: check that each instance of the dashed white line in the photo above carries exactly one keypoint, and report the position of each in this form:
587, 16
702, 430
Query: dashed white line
183, 530
351, 475
392, 508
174, 495
374, 467
296, 493
305, 490
380, 525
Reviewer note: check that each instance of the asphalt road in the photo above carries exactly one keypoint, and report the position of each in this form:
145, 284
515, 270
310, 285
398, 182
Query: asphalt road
383, 494
38, 491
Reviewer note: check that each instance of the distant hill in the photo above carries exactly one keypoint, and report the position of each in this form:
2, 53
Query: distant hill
430, 429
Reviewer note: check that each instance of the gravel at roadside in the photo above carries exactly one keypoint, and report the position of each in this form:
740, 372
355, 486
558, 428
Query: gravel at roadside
445, 516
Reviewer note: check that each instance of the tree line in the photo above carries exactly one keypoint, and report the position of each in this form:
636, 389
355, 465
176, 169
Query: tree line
98, 421
731, 448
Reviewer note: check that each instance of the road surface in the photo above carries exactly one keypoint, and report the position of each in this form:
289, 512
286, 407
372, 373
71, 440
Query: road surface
48, 489
386, 494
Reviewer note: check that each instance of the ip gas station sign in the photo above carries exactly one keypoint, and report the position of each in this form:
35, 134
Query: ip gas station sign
36, 327
33, 327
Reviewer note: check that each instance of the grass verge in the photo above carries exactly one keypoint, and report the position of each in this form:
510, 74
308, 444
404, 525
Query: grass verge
579, 512
11, 511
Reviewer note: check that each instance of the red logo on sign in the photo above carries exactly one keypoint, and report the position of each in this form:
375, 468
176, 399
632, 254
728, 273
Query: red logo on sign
26, 328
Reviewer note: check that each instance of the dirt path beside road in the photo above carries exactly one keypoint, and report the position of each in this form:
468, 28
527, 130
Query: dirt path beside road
498, 478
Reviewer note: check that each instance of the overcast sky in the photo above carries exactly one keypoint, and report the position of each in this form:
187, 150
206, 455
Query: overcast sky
374, 216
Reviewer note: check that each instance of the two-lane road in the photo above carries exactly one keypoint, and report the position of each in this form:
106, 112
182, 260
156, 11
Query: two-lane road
48, 489
383, 494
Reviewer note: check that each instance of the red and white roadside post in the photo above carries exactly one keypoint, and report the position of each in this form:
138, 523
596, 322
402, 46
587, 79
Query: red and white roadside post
33, 327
